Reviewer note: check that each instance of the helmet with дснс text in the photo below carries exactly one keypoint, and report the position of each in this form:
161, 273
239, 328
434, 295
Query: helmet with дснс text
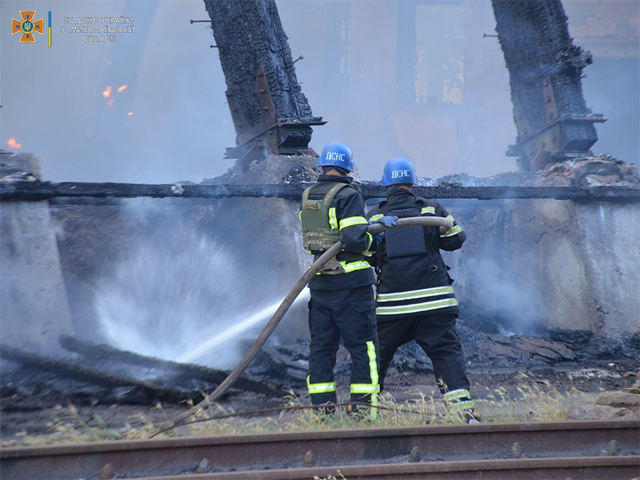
336, 154
399, 171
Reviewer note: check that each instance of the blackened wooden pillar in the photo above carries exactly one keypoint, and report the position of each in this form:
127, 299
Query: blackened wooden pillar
545, 67
269, 110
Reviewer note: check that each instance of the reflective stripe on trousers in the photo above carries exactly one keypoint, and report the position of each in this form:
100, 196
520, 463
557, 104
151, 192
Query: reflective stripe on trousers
372, 389
459, 399
326, 387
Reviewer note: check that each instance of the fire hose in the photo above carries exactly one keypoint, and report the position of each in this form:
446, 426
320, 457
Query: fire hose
444, 223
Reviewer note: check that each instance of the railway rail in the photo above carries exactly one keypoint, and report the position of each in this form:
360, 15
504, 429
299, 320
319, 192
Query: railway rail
579, 450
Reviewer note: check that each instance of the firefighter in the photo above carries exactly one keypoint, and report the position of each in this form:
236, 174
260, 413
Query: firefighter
415, 297
342, 302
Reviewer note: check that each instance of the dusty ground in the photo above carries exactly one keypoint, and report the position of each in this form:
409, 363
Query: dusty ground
528, 369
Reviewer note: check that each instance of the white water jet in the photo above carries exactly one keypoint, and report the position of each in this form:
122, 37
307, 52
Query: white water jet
235, 330
176, 290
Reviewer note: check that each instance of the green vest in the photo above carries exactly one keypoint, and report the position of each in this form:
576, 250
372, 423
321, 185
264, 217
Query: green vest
317, 234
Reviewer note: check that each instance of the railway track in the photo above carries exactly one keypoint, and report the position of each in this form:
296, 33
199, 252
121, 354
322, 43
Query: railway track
577, 450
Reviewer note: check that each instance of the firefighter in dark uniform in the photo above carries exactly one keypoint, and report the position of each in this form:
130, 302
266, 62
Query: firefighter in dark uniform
342, 304
415, 299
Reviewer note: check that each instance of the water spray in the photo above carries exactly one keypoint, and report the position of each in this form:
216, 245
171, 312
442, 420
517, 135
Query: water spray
235, 330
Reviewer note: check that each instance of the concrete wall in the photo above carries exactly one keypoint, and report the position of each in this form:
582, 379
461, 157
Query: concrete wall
33, 300
611, 257
546, 263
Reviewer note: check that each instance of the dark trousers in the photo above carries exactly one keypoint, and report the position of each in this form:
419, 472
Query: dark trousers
348, 314
437, 336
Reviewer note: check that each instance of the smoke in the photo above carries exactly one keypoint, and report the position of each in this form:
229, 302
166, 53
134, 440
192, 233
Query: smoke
506, 303
496, 272
362, 80
170, 123
357, 72
612, 87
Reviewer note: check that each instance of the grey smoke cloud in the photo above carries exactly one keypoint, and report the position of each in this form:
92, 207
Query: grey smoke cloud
512, 306
180, 123
54, 101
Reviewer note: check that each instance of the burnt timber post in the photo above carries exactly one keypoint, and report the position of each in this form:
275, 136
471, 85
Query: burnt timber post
270, 113
545, 67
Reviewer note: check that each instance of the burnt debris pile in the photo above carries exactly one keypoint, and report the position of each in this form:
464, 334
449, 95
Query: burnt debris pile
564, 357
601, 170
581, 171
558, 347
564, 350
100, 374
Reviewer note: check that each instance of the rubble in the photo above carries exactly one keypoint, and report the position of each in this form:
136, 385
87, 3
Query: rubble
19, 167
301, 174
583, 171
565, 360
623, 404
602, 170
564, 356
117, 387
106, 357
506, 179
105, 375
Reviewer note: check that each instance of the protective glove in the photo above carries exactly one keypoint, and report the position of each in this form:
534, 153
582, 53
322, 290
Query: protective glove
388, 221
378, 239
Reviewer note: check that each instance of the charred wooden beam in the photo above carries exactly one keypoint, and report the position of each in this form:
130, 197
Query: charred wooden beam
579, 194
268, 108
105, 353
76, 371
33, 191
46, 190
545, 67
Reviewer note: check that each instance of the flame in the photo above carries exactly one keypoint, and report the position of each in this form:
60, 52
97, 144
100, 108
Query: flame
122, 88
110, 103
107, 92
13, 144
130, 113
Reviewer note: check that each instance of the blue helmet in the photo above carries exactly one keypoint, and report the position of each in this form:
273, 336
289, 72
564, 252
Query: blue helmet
336, 154
397, 171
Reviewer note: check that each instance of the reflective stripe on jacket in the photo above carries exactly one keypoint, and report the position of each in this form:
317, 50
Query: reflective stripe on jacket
412, 276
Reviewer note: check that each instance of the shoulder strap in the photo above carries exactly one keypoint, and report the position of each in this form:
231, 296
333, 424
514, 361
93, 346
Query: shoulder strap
305, 194
331, 194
